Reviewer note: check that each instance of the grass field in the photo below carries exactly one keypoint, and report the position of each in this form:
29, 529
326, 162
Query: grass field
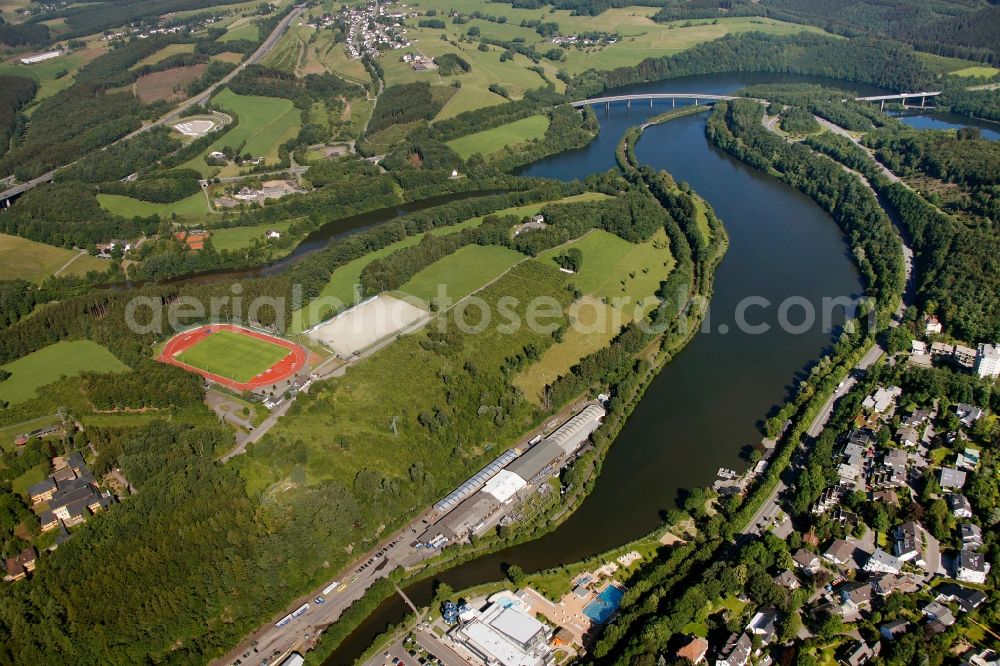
20, 485
237, 238
977, 71
31, 372
164, 53
612, 269
341, 284
233, 355
489, 141
190, 207
246, 30
403, 380
32, 261
461, 272
264, 124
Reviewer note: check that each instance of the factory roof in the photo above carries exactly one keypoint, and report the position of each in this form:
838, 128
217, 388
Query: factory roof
537, 458
504, 485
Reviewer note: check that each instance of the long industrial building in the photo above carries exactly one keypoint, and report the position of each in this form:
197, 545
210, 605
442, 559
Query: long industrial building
478, 502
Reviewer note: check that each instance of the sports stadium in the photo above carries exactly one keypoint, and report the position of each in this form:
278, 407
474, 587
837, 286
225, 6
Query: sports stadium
233, 356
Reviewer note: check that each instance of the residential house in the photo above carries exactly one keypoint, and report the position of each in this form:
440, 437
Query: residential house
840, 552
985, 657
912, 543
968, 460
938, 612
932, 326
942, 349
966, 357
894, 463
959, 505
806, 561
787, 580
968, 414
972, 535
967, 598
694, 651
917, 418
736, 652
890, 630
763, 624
882, 562
971, 567
908, 435
856, 595
883, 400
918, 348
952, 478
856, 653
19, 566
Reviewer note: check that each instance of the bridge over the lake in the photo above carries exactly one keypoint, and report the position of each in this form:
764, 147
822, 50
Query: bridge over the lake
708, 98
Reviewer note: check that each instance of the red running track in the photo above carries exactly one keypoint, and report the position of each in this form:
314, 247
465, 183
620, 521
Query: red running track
280, 371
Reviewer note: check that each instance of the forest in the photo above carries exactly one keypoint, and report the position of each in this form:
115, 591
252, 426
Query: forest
15, 93
956, 265
956, 29
878, 62
403, 103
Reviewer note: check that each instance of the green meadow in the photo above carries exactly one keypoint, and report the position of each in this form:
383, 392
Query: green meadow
32, 372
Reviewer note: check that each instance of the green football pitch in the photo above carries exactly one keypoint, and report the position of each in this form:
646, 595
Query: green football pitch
233, 355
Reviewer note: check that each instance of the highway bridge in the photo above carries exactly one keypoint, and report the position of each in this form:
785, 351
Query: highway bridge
607, 101
708, 98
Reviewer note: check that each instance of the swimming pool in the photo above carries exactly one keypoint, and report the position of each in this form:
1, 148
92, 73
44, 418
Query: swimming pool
606, 603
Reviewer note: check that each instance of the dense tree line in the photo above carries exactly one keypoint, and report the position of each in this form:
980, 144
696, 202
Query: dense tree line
99, 16
162, 187
15, 93
796, 120
862, 60
956, 267
955, 29
304, 91
568, 129
824, 102
973, 103
67, 215
450, 64
154, 384
17, 299
141, 153
403, 103
24, 34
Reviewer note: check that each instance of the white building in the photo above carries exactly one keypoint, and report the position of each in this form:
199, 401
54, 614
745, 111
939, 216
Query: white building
504, 636
41, 57
882, 562
988, 360
931, 325
504, 486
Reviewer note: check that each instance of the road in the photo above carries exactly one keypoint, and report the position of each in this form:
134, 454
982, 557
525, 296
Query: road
201, 98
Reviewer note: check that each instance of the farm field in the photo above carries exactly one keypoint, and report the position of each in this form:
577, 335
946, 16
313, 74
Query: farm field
462, 272
340, 288
169, 85
33, 261
243, 29
237, 238
490, 141
233, 355
45, 72
264, 124
31, 372
190, 207
612, 269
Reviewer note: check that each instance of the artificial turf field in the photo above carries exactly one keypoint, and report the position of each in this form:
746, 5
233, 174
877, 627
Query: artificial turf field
233, 355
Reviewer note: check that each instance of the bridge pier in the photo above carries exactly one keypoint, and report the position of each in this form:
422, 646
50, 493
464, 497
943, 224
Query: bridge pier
881, 105
628, 104
607, 107
651, 102
673, 102
922, 100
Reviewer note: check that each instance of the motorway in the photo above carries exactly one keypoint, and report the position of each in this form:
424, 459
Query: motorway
202, 98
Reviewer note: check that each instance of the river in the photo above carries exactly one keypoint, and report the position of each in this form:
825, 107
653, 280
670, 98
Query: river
706, 405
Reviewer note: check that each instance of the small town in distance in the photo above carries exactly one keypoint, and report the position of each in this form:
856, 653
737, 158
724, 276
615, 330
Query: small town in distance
500, 333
